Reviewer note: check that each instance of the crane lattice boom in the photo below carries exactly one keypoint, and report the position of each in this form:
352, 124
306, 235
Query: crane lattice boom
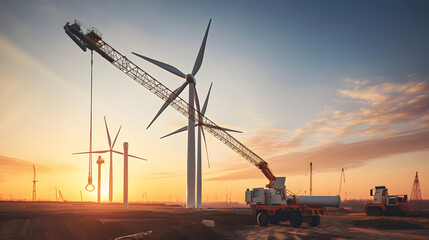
93, 41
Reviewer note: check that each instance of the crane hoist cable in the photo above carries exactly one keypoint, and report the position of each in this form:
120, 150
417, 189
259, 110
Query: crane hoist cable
90, 187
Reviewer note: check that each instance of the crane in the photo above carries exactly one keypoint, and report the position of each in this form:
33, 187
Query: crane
92, 40
268, 205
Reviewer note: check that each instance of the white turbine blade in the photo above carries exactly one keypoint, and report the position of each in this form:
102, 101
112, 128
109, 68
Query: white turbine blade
129, 155
108, 134
225, 129
196, 99
177, 131
101, 151
169, 100
165, 66
113, 145
137, 157
200, 56
197, 103
203, 111
205, 144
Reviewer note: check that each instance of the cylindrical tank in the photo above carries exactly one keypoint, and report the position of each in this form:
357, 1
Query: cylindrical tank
325, 201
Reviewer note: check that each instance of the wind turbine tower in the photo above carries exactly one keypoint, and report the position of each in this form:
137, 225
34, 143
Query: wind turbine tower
311, 178
34, 184
199, 149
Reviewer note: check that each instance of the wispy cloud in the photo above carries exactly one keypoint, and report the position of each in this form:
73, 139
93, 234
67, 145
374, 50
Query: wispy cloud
330, 156
391, 118
15, 166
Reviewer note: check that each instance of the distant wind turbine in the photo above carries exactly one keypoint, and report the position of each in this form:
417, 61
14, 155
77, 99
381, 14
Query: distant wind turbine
111, 151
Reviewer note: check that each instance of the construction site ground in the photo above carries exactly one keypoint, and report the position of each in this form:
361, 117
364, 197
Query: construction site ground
66, 220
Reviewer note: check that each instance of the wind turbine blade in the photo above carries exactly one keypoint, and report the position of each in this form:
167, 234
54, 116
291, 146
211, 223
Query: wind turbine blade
129, 155
101, 151
177, 131
205, 144
137, 157
108, 134
163, 65
116, 136
197, 103
169, 100
203, 111
200, 56
117, 152
225, 129
196, 99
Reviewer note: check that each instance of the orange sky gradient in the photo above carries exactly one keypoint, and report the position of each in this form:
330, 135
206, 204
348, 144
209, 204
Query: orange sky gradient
373, 124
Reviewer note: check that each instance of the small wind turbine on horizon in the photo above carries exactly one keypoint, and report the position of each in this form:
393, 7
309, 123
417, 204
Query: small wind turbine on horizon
193, 97
34, 184
111, 151
199, 151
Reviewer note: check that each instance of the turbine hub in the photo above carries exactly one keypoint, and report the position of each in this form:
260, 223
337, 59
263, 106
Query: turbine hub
190, 79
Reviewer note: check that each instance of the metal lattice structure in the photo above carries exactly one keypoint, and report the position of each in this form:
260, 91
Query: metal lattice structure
416, 193
94, 42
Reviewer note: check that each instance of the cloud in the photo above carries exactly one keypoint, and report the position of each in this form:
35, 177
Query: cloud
386, 104
390, 118
15, 166
330, 156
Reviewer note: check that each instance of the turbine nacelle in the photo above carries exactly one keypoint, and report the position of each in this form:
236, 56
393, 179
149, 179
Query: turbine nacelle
190, 79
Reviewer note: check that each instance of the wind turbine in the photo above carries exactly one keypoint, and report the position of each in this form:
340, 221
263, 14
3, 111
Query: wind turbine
111, 151
199, 151
34, 185
191, 81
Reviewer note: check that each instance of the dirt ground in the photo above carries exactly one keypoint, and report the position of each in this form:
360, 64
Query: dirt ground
25, 220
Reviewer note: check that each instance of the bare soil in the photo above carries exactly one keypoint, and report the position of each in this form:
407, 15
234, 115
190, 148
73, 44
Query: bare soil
58, 220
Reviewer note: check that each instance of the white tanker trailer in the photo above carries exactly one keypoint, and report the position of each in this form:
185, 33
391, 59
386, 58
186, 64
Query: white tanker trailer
273, 204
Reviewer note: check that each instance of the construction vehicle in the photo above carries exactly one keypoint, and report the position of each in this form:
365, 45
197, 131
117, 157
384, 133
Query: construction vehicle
275, 203
385, 204
270, 205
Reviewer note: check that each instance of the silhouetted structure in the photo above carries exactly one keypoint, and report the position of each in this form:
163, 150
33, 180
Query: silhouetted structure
111, 151
416, 193
34, 185
99, 162
125, 175
311, 178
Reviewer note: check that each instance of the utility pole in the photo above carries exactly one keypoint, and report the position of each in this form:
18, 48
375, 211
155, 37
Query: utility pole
99, 162
81, 198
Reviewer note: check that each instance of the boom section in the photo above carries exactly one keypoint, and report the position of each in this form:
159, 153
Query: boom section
92, 40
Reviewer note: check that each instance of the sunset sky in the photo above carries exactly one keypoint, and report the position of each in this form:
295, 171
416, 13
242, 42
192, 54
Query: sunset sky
342, 84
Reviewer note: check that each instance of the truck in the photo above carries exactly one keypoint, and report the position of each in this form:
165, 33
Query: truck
275, 203
385, 204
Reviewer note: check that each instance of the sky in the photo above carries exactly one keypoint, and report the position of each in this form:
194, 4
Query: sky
342, 84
